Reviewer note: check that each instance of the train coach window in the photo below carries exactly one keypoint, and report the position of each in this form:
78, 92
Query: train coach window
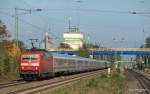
59, 61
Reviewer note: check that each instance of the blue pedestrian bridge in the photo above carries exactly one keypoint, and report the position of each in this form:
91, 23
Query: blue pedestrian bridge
107, 51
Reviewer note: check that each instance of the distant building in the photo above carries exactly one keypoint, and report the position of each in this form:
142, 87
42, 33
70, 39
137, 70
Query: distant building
46, 43
73, 38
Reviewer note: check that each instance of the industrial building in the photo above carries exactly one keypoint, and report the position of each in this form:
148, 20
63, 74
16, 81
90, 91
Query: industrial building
73, 38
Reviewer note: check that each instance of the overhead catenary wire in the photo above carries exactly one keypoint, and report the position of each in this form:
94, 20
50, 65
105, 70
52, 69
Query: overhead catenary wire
41, 17
35, 26
87, 10
23, 21
84, 10
28, 23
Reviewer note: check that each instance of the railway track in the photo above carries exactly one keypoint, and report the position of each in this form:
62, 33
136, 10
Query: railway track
143, 81
56, 84
12, 83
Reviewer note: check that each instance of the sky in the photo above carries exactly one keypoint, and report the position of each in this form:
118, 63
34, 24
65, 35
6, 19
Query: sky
109, 23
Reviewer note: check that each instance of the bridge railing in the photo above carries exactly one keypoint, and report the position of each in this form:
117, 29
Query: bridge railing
104, 49
122, 49
60, 49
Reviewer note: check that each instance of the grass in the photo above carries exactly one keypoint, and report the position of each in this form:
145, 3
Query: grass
115, 84
9, 77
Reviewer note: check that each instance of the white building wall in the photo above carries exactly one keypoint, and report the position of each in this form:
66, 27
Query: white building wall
74, 39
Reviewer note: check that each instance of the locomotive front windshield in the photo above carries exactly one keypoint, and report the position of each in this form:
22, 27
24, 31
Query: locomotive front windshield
29, 57
25, 58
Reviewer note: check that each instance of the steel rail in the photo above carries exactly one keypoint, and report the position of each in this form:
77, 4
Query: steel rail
143, 81
13, 83
55, 84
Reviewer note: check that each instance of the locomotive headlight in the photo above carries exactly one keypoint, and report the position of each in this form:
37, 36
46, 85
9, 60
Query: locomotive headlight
36, 68
22, 67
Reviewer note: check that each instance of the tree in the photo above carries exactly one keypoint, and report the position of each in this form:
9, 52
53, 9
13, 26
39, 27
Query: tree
4, 34
146, 59
64, 45
147, 42
6, 44
83, 52
21, 45
90, 45
4, 63
9, 54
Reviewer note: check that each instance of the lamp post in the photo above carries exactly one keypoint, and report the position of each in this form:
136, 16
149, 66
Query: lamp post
17, 13
120, 41
46, 39
121, 63
114, 39
78, 13
134, 12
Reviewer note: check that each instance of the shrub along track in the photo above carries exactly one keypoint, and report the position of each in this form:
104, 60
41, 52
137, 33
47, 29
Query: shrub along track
56, 83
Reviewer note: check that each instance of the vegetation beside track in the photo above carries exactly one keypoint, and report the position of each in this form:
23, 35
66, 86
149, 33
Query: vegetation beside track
8, 68
114, 84
9, 54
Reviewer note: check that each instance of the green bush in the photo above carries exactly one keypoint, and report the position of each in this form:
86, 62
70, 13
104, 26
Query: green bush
8, 67
2, 64
92, 83
147, 66
103, 76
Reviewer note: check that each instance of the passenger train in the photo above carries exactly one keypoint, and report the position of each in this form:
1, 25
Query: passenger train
43, 64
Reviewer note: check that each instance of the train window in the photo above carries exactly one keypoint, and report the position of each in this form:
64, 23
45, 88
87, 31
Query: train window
59, 61
34, 58
30, 57
71, 61
56, 60
26, 58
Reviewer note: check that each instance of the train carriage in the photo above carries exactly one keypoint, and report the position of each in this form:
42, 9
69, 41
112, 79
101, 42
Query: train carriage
41, 64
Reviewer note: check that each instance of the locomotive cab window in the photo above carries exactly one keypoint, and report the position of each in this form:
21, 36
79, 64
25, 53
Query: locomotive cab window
34, 57
30, 57
25, 58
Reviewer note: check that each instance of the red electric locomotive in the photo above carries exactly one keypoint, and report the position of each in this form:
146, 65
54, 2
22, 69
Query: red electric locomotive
35, 64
